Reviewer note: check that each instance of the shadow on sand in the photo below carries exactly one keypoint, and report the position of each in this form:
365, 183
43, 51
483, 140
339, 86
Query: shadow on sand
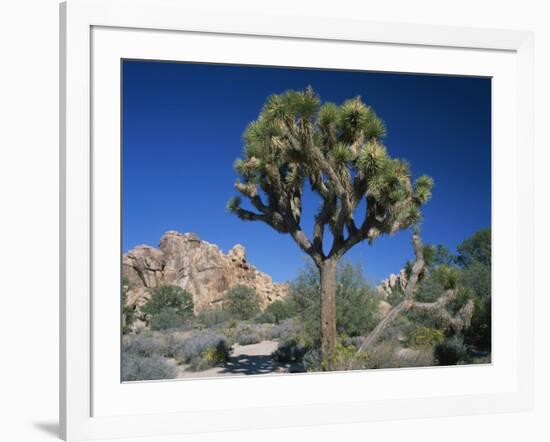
257, 364
247, 364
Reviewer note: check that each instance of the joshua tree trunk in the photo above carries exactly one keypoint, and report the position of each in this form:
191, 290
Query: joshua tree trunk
327, 272
338, 152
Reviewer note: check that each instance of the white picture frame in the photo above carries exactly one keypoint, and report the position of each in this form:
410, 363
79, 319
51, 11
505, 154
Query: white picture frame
95, 35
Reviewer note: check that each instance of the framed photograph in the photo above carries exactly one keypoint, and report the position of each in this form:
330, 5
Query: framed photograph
326, 221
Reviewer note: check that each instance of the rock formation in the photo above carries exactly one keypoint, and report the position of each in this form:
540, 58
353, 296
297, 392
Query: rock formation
194, 265
387, 286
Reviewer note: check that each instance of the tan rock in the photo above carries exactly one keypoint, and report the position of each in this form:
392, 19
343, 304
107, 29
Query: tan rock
388, 285
383, 309
197, 266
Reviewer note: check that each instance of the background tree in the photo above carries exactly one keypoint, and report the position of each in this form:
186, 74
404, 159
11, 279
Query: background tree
242, 302
338, 150
169, 307
128, 311
476, 249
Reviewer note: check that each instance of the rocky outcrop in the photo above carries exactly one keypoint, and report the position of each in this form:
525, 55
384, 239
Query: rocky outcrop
383, 309
194, 265
388, 285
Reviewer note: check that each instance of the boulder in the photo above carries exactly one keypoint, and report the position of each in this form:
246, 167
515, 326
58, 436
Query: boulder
197, 266
388, 285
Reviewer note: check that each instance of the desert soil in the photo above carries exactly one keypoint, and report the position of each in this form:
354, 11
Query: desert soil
244, 360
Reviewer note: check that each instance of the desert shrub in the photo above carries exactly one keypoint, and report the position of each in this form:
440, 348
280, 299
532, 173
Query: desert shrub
202, 349
425, 337
477, 277
441, 278
356, 306
128, 312
210, 358
128, 318
355, 341
450, 352
281, 331
479, 333
242, 302
169, 307
246, 334
168, 318
396, 295
383, 355
304, 297
142, 345
169, 296
389, 354
276, 312
345, 357
312, 360
442, 256
415, 358
140, 368
476, 248
293, 347
290, 351
213, 317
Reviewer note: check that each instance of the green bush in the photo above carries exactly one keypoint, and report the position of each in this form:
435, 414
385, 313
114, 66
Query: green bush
356, 303
450, 352
291, 351
312, 360
425, 337
212, 357
169, 318
212, 317
276, 312
345, 357
476, 276
169, 307
140, 368
128, 312
479, 332
202, 349
242, 302
246, 334
389, 354
446, 276
477, 248
142, 345
283, 330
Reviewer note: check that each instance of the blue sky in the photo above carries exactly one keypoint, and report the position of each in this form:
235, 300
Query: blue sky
182, 128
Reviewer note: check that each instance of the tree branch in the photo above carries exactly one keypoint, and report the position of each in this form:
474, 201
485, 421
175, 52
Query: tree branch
458, 322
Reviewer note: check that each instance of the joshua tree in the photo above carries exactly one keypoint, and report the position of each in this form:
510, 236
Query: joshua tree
437, 308
338, 150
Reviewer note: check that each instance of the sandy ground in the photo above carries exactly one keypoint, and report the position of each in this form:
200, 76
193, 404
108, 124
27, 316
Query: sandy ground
244, 360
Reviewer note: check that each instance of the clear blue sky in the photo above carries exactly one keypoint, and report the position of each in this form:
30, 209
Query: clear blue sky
182, 128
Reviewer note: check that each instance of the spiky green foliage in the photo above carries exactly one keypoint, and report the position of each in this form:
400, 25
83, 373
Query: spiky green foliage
338, 151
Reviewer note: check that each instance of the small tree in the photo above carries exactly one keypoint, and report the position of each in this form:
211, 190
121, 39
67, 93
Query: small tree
169, 300
477, 248
128, 311
277, 311
242, 302
338, 150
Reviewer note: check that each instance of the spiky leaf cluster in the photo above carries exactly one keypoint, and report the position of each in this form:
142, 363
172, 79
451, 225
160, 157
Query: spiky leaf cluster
338, 151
